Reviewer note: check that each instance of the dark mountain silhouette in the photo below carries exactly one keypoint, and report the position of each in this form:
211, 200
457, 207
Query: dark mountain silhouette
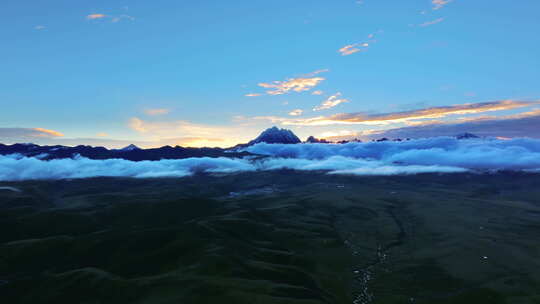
276, 136
272, 135
133, 153
466, 136
313, 140
131, 147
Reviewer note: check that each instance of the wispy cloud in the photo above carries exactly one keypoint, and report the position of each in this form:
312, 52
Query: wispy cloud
102, 134
46, 132
39, 27
318, 92
296, 112
407, 116
438, 4
185, 133
95, 16
331, 102
122, 17
510, 126
433, 22
357, 47
112, 18
253, 95
27, 134
156, 112
300, 84
353, 48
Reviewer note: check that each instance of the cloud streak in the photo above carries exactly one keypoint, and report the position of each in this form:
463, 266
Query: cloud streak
156, 112
300, 84
27, 134
524, 124
95, 16
296, 112
331, 102
433, 22
113, 19
358, 47
353, 48
438, 4
403, 117
185, 133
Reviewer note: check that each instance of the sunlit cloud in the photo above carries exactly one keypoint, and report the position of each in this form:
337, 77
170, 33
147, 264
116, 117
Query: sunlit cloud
318, 92
407, 116
433, 22
300, 84
185, 133
95, 16
296, 112
357, 47
122, 17
112, 18
253, 95
102, 134
336, 134
353, 48
510, 126
156, 112
331, 102
47, 132
27, 134
438, 4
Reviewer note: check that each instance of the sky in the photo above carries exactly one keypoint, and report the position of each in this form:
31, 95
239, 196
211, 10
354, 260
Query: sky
217, 73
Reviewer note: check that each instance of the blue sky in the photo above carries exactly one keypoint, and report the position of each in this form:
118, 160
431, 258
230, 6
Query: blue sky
178, 72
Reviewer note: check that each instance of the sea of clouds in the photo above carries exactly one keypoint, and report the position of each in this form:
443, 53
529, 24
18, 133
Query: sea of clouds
433, 155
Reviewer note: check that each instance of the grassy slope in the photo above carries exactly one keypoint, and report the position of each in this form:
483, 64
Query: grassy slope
311, 238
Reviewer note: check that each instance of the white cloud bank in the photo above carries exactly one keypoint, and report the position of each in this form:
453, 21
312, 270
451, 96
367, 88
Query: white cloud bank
442, 155
483, 154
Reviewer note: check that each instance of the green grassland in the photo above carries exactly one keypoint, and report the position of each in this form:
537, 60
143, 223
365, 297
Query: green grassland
273, 237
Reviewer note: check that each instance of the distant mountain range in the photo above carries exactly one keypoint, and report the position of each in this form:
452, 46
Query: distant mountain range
272, 135
131, 152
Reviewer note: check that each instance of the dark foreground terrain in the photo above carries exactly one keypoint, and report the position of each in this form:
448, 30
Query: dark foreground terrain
272, 237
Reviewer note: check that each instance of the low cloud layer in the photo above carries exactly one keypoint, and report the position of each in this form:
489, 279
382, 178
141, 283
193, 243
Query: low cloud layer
442, 155
15, 167
483, 154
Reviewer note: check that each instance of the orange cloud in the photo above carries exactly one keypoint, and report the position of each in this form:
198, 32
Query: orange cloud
189, 134
331, 102
432, 22
296, 112
358, 47
299, 84
438, 4
48, 132
95, 16
403, 117
318, 92
353, 48
253, 95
